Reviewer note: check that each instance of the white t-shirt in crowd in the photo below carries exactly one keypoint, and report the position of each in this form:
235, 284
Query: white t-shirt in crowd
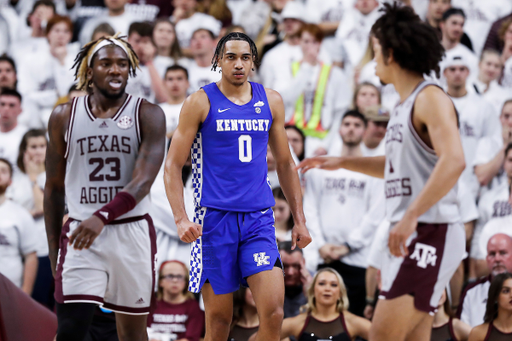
161, 63
140, 85
480, 14
495, 94
10, 144
17, 239
342, 206
186, 27
120, 23
478, 123
507, 74
379, 245
495, 226
172, 115
474, 301
21, 192
199, 76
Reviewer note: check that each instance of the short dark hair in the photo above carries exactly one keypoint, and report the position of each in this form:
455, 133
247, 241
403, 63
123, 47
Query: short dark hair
6, 58
143, 29
56, 19
176, 67
491, 309
287, 247
219, 50
314, 30
212, 35
453, 11
8, 163
10, 92
24, 145
415, 45
355, 113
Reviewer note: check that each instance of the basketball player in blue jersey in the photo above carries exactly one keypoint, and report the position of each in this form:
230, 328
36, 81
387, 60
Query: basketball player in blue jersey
104, 153
423, 162
228, 125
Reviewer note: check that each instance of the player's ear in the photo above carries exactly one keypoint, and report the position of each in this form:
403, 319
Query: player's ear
88, 75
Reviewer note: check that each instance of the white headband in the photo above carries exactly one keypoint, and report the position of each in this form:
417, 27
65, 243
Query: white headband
104, 43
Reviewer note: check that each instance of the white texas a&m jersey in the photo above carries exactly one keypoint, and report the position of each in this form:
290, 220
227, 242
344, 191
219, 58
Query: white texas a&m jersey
101, 155
409, 163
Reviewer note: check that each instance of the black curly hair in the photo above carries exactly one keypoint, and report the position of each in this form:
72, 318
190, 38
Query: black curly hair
414, 45
219, 50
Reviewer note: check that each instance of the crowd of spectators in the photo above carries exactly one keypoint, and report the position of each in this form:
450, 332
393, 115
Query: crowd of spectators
318, 55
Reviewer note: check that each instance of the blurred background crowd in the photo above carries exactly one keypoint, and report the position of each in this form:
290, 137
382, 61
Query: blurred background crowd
318, 55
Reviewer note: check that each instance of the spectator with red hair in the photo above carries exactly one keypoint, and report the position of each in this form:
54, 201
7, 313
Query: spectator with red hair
177, 313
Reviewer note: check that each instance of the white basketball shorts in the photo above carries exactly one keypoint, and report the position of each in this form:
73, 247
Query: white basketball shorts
117, 271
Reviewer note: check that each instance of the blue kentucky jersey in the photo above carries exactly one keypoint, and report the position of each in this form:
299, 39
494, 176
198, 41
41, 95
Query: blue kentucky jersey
229, 153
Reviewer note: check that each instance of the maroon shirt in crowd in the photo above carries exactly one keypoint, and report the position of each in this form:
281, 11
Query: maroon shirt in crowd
186, 320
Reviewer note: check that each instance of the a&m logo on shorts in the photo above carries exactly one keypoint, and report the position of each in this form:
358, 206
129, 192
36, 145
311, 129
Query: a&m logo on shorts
125, 122
261, 259
424, 254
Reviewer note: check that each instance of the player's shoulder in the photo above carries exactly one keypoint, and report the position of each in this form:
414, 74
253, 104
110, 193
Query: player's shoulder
273, 97
198, 99
60, 116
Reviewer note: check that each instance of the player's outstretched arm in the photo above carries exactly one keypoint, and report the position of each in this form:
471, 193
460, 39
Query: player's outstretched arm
372, 166
288, 176
147, 165
54, 194
194, 111
435, 119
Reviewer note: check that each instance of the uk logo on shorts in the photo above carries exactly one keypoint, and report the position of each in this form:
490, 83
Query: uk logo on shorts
425, 255
261, 259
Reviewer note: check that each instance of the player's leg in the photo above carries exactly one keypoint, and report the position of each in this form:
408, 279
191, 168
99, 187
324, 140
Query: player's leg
74, 320
395, 319
218, 314
131, 327
267, 288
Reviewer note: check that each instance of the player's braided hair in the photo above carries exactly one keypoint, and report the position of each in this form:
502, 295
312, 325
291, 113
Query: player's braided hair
82, 59
219, 50
414, 44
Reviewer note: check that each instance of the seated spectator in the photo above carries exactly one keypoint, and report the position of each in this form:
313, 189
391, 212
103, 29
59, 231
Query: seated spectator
473, 300
176, 84
102, 30
327, 315
147, 83
297, 140
452, 25
435, 11
116, 16
497, 324
445, 327
377, 119
245, 317
46, 76
18, 242
365, 95
296, 278
168, 50
188, 20
11, 132
31, 39
283, 217
343, 210
177, 313
486, 84
202, 47
316, 96
8, 76
27, 191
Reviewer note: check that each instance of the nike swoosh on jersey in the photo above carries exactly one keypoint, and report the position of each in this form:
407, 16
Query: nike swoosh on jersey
223, 110
263, 212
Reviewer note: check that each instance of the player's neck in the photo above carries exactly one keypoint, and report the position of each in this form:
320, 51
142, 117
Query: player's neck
102, 106
236, 91
504, 321
457, 92
405, 82
250, 317
325, 313
440, 318
176, 100
351, 151
174, 298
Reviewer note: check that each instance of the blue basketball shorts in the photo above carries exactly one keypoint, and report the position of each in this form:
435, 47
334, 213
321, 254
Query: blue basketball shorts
234, 246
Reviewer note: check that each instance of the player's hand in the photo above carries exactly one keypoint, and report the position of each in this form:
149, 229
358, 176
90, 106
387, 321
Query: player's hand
300, 236
400, 233
322, 162
86, 233
189, 231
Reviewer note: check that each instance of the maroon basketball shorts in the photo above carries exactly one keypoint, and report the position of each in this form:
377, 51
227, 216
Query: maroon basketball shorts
117, 271
435, 252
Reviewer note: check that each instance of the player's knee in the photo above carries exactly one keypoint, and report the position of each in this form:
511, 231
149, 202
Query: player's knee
273, 315
220, 319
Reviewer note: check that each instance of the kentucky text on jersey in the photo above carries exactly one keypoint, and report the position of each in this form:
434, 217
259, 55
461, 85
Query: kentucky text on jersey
242, 125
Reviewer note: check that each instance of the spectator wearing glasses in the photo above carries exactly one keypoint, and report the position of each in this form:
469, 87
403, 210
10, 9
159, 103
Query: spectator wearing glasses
177, 314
